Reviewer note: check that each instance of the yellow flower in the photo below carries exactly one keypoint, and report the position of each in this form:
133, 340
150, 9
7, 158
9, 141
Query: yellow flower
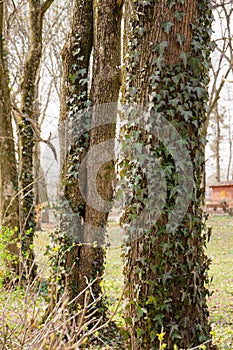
161, 336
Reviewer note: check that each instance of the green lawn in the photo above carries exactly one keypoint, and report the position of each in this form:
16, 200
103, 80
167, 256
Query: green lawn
220, 250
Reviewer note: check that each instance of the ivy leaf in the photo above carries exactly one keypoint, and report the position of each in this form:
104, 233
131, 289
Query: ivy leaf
199, 91
152, 300
144, 2
138, 147
139, 332
176, 79
158, 61
140, 30
179, 16
196, 45
184, 57
195, 123
187, 115
87, 103
180, 39
133, 91
75, 53
170, 3
73, 78
83, 81
159, 47
82, 72
167, 26
162, 46
140, 311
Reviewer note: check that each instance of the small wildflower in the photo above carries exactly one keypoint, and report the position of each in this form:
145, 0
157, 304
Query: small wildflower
161, 336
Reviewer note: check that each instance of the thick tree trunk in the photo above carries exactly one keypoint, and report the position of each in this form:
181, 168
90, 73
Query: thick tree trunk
166, 267
9, 215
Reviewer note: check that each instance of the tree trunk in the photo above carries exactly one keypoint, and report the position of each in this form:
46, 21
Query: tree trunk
230, 150
73, 144
85, 261
166, 71
27, 131
9, 215
230, 156
36, 155
104, 95
218, 140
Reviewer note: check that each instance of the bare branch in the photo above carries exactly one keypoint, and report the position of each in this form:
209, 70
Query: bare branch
45, 6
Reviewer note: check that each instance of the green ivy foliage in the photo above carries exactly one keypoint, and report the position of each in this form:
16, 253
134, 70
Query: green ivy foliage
167, 270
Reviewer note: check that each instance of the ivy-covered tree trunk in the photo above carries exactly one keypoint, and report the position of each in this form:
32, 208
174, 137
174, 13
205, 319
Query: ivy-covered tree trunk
104, 94
27, 131
9, 214
94, 27
74, 101
166, 71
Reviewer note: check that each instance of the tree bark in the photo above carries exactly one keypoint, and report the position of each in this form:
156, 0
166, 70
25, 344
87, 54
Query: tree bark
93, 27
26, 131
104, 95
166, 269
74, 101
9, 215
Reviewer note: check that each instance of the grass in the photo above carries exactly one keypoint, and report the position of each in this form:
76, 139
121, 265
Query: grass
220, 250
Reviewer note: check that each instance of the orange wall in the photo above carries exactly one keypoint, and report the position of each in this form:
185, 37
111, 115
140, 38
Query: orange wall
222, 192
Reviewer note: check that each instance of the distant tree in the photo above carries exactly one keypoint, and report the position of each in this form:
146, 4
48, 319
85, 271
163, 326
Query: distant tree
27, 132
33, 56
215, 124
9, 209
220, 83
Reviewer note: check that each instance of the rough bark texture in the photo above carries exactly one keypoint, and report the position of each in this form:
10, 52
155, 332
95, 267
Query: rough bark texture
76, 57
9, 216
96, 27
105, 89
166, 273
26, 131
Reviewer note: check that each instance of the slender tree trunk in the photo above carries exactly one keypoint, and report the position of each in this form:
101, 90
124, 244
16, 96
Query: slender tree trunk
105, 87
230, 155
74, 100
218, 140
26, 131
9, 215
230, 151
36, 154
166, 266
